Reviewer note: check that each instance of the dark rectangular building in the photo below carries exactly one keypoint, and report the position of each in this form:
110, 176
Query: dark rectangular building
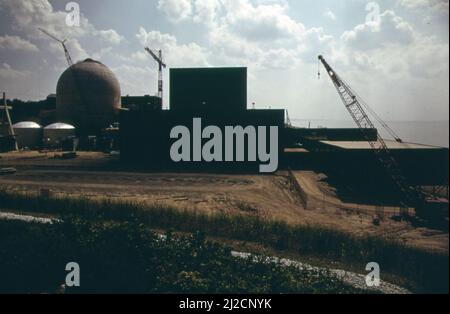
142, 103
217, 96
212, 90
145, 136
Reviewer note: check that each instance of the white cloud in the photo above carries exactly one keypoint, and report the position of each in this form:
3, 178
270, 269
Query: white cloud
8, 73
414, 4
437, 5
391, 29
265, 22
176, 10
140, 56
206, 11
401, 72
136, 80
76, 51
16, 43
262, 35
432, 11
29, 16
110, 36
394, 62
175, 54
330, 15
256, 33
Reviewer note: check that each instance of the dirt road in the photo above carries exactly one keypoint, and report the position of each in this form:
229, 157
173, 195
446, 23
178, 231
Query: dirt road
270, 196
252, 194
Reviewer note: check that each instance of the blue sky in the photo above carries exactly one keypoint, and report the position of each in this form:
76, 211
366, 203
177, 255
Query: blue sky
398, 60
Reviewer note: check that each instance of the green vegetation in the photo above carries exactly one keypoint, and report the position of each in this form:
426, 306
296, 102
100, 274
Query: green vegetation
125, 257
426, 271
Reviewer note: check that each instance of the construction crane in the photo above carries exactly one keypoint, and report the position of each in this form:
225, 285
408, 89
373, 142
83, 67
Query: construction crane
63, 44
288, 119
158, 58
355, 106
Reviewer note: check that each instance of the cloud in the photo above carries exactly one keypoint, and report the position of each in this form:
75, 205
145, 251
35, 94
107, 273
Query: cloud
397, 61
206, 11
401, 72
435, 11
437, 5
390, 30
176, 54
110, 36
199, 11
257, 33
29, 16
137, 80
413, 4
329, 14
265, 22
76, 51
140, 56
264, 36
8, 73
176, 10
16, 43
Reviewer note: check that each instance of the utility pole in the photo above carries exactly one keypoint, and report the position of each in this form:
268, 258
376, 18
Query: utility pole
8, 120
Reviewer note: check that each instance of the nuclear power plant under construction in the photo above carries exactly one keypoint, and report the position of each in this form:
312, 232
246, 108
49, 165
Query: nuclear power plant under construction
227, 156
90, 114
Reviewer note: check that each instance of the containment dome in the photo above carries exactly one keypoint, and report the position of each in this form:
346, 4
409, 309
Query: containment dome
28, 134
57, 132
88, 97
59, 126
26, 125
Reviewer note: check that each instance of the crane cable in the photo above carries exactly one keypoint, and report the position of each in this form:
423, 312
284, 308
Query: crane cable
318, 69
371, 111
376, 116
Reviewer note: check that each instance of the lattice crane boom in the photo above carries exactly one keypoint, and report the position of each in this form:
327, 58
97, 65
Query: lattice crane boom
354, 105
288, 119
63, 44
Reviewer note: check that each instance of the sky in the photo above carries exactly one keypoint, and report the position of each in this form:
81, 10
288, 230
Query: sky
394, 53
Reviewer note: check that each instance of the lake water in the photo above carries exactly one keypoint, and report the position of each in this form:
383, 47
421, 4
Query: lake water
423, 132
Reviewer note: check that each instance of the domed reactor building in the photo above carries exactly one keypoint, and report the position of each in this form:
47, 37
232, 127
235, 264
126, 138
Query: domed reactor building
88, 97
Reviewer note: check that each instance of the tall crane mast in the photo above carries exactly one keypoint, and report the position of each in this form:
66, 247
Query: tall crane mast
158, 58
63, 44
288, 119
355, 105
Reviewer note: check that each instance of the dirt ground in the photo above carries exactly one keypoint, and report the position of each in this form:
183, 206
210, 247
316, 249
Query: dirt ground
271, 196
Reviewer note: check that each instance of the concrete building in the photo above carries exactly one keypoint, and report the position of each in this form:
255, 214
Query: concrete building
355, 161
218, 96
142, 103
208, 90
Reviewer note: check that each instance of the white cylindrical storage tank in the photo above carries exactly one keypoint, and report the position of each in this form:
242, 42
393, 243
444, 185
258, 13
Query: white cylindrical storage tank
57, 132
28, 134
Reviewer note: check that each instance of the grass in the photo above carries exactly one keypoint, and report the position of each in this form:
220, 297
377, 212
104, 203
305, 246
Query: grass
125, 257
426, 271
